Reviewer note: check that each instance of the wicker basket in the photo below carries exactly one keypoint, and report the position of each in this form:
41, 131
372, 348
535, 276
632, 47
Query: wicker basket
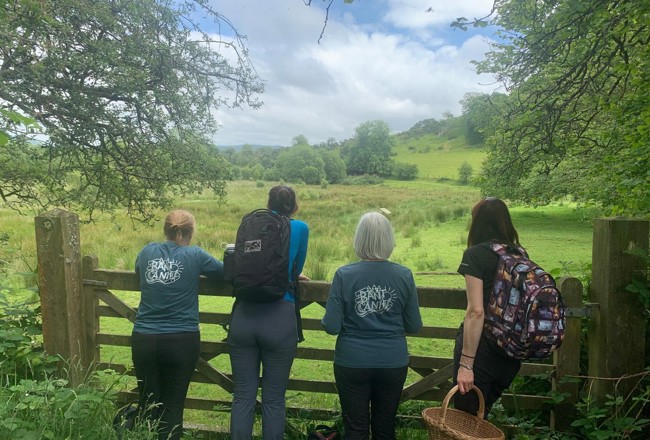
451, 424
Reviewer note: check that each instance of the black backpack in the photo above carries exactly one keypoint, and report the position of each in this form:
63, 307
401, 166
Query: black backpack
259, 266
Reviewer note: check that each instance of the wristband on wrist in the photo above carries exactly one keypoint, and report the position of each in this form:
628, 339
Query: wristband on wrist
468, 357
465, 366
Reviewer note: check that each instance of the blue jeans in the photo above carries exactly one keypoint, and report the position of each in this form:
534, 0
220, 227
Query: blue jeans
164, 365
262, 335
369, 400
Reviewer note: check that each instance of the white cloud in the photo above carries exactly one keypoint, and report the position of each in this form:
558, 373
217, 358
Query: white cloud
363, 69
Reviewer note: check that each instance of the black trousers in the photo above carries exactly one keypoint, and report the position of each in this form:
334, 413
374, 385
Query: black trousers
494, 371
369, 400
164, 365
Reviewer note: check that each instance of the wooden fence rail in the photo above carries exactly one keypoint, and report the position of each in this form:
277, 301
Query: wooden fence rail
102, 288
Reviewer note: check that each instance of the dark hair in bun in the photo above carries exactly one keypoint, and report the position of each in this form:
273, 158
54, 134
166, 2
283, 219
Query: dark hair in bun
282, 199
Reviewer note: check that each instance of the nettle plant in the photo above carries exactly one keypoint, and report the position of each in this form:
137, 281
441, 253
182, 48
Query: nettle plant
621, 415
21, 349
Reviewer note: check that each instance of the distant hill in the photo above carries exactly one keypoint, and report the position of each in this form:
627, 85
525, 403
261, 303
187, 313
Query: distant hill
438, 148
255, 146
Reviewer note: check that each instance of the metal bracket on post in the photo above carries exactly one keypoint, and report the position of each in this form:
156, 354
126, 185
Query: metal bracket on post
580, 312
95, 283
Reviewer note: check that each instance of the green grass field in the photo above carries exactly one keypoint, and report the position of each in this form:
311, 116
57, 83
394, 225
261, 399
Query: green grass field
430, 221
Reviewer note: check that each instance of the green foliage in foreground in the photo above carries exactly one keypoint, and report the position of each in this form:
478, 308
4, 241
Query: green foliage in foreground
45, 407
625, 414
48, 409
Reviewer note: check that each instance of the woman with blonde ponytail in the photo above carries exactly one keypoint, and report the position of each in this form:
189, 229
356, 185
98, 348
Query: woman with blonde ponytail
165, 342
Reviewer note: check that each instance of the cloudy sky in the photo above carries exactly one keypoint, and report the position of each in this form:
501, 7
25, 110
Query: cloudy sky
394, 60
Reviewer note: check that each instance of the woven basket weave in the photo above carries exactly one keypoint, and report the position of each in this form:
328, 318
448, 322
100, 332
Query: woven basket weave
452, 424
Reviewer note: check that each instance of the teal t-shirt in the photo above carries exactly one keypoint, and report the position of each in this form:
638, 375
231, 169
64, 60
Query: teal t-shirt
371, 305
169, 285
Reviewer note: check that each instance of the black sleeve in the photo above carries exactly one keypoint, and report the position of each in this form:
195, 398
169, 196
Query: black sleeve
479, 261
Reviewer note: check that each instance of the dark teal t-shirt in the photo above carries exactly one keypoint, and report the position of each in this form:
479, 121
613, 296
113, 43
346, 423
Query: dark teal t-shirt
169, 284
371, 306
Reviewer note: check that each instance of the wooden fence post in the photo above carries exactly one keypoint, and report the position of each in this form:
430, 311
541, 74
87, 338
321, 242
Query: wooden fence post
60, 285
567, 358
617, 334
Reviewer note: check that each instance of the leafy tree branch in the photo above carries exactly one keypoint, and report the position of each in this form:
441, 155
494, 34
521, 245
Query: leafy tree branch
124, 93
576, 121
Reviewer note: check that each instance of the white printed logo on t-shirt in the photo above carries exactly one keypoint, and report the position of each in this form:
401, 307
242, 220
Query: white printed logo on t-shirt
373, 299
163, 270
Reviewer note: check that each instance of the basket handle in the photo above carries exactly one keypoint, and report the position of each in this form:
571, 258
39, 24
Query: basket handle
452, 391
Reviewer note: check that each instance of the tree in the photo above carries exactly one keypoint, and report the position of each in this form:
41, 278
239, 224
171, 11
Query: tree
370, 151
465, 172
576, 121
333, 165
311, 175
266, 156
245, 156
300, 162
424, 127
482, 113
123, 92
405, 171
301, 139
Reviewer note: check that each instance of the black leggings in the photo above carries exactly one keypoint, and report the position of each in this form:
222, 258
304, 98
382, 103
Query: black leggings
494, 371
369, 400
164, 365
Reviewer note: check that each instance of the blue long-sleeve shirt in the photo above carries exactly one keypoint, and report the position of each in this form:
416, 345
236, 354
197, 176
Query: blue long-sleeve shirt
371, 306
297, 252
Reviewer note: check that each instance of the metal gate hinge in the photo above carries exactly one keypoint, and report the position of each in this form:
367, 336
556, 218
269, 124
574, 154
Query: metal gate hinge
580, 312
94, 283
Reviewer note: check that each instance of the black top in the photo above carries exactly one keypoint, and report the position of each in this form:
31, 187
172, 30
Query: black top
481, 262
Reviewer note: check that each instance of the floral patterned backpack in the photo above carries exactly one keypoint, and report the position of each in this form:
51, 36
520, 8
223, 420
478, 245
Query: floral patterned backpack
525, 313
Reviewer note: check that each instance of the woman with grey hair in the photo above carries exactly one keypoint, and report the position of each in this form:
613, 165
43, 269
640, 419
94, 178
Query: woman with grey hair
372, 304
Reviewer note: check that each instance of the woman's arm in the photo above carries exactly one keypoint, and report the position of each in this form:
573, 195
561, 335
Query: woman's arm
472, 329
301, 255
411, 317
210, 266
333, 319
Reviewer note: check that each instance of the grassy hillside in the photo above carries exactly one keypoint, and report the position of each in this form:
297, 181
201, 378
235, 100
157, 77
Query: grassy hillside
438, 155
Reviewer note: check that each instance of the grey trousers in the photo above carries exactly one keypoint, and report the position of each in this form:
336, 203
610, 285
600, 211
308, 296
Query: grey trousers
261, 335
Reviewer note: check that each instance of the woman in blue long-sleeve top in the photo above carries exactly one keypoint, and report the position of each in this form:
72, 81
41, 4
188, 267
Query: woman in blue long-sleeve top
371, 306
265, 336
